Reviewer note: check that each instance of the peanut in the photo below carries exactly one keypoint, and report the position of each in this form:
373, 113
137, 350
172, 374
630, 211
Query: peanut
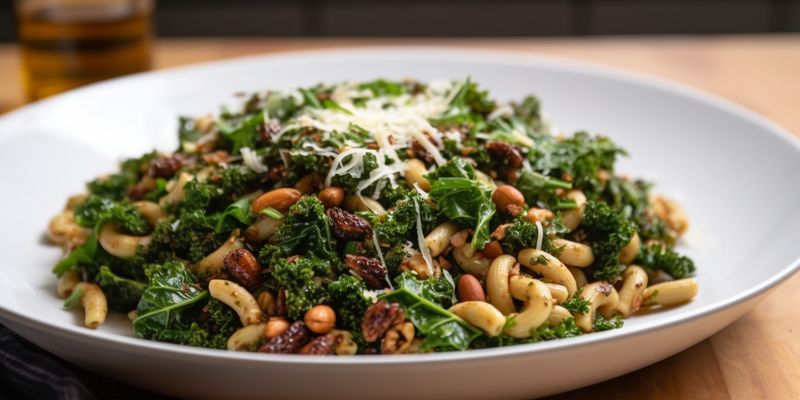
508, 199
492, 249
279, 199
469, 289
331, 196
320, 319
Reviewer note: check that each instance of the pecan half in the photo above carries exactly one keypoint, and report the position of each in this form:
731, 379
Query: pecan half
398, 338
166, 166
288, 342
379, 318
348, 226
321, 346
369, 269
507, 152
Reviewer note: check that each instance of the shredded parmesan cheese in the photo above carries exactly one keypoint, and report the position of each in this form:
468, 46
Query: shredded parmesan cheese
252, 160
423, 248
539, 235
380, 256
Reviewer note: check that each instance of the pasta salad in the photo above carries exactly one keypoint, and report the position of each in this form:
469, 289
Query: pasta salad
381, 217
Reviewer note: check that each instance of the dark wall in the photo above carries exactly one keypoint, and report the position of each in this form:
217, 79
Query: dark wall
462, 17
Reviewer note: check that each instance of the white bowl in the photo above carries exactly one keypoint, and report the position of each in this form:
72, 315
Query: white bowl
736, 173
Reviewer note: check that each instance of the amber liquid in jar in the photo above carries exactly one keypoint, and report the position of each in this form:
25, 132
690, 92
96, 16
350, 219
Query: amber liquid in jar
75, 43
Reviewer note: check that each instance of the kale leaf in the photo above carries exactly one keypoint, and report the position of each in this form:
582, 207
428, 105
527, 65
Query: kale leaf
442, 329
172, 291
436, 290
297, 278
123, 294
657, 257
608, 231
463, 199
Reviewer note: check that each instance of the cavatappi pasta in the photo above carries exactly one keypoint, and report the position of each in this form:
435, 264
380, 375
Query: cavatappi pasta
377, 217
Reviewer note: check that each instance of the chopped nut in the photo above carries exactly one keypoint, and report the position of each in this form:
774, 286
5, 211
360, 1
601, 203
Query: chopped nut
321, 346
369, 269
398, 338
379, 318
288, 342
348, 226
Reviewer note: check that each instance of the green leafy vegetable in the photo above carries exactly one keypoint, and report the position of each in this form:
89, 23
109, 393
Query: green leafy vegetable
97, 210
346, 296
238, 211
297, 278
435, 290
601, 324
463, 199
443, 330
172, 291
608, 232
657, 257
122, 294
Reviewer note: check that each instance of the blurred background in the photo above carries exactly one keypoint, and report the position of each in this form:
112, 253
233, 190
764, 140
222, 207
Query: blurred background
460, 17
68, 43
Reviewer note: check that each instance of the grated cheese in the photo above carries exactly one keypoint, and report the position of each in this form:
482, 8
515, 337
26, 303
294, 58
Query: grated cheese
252, 160
539, 235
380, 256
423, 248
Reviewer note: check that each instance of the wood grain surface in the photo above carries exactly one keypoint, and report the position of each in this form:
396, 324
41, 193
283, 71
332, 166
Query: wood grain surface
757, 357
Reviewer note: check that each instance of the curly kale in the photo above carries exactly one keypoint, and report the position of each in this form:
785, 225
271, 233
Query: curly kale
463, 199
657, 257
297, 278
632, 198
399, 224
576, 304
608, 231
436, 290
191, 236
97, 210
115, 186
305, 232
601, 324
122, 293
524, 234
236, 180
581, 157
346, 296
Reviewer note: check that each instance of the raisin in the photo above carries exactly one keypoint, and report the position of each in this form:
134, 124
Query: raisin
506, 152
166, 166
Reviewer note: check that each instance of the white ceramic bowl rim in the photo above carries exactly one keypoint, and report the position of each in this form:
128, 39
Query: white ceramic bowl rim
445, 53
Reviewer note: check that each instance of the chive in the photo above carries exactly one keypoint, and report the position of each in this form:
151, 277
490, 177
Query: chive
73, 298
272, 213
310, 98
565, 204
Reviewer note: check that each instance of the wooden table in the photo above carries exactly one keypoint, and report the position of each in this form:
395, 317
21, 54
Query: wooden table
758, 356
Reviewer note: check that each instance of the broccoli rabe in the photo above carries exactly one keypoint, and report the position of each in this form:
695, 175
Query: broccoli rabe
657, 257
